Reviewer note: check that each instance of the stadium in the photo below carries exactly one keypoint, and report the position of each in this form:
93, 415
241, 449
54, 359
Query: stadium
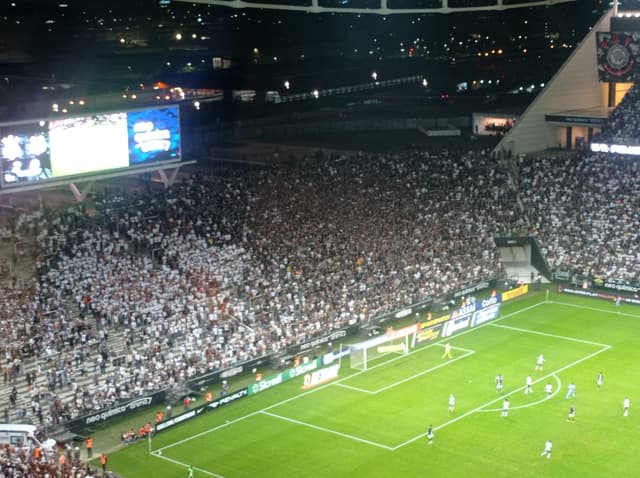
463, 304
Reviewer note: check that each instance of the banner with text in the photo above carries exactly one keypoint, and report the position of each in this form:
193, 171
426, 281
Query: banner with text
598, 295
472, 314
116, 411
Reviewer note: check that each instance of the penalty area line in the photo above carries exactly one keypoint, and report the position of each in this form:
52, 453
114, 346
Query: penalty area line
407, 379
327, 430
424, 372
546, 334
595, 309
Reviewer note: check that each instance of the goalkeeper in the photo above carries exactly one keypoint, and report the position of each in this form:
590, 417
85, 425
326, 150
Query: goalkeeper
447, 351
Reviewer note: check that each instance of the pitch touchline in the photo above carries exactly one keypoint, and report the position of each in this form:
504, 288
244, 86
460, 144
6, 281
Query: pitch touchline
594, 308
466, 414
529, 331
527, 405
327, 430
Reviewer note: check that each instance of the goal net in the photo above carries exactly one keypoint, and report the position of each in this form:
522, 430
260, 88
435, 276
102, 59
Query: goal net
392, 342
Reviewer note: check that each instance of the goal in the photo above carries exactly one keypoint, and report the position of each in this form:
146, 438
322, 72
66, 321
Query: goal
395, 342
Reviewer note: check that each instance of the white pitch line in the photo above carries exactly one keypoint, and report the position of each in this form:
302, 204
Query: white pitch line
453, 347
466, 414
546, 334
322, 387
327, 430
198, 435
596, 309
527, 405
405, 380
200, 470
356, 389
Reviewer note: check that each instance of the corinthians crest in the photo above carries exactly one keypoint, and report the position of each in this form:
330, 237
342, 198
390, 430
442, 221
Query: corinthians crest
617, 56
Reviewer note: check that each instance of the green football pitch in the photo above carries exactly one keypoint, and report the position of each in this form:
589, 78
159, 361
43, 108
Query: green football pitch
374, 423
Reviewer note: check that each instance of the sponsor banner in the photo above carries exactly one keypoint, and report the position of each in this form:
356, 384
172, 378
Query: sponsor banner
436, 321
427, 334
485, 315
384, 349
416, 308
330, 357
379, 340
403, 332
178, 419
455, 325
587, 120
321, 376
401, 314
617, 55
230, 397
473, 288
615, 284
513, 293
468, 315
598, 295
626, 149
285, 376
337, 335
207, 379
232, 372
116, 411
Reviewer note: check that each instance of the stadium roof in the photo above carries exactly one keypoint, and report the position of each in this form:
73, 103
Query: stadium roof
382, 7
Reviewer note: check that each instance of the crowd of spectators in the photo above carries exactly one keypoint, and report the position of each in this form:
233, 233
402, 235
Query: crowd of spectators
153, 288
16, 462
623, 125
585, 211
219, 270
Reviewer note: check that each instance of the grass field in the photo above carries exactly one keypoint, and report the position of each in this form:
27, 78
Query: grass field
374, 423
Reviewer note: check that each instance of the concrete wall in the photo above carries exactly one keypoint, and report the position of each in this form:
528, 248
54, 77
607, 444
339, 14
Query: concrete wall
574, 86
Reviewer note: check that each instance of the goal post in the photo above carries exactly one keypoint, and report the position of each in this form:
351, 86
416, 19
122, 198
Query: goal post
392, 341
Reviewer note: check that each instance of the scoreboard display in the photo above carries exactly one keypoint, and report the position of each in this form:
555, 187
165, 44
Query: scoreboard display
64, 148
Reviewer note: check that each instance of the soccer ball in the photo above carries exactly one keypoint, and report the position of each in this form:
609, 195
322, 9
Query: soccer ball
159, 452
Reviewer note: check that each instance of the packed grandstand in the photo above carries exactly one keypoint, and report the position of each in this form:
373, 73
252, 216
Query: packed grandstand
217, 271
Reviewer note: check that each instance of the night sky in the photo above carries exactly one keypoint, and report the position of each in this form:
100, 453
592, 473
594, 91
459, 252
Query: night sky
108, 46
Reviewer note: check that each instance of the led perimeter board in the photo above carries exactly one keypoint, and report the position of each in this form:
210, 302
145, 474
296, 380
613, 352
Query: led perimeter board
64, 148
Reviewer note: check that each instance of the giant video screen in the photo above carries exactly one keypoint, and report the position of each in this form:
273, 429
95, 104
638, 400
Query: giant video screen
93, 143
24, 151
88, 144
154, 135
